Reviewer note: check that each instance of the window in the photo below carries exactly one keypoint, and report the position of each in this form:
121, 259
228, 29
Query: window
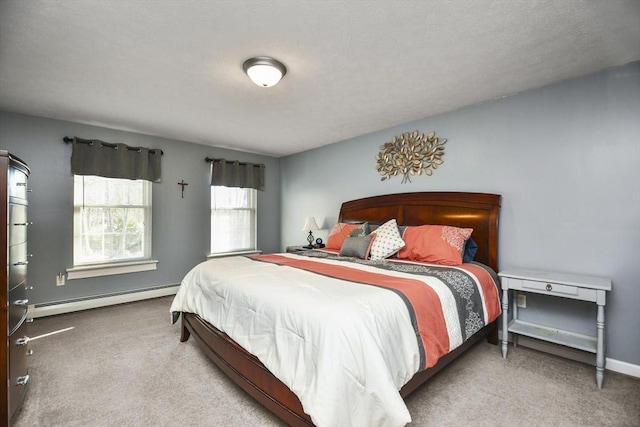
111, 220
233, 219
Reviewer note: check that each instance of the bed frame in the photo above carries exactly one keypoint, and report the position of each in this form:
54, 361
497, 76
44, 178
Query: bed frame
479, 211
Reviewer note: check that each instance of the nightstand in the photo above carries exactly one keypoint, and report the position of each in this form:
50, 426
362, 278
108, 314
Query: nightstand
585, 288
294, 249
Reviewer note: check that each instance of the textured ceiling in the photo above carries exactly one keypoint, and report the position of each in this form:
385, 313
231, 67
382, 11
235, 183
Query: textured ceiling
174, 68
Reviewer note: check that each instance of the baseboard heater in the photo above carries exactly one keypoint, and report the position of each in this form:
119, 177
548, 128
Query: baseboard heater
69, 306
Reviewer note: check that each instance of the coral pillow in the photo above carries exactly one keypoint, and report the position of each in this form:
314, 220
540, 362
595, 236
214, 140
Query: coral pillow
339, 233
435, 244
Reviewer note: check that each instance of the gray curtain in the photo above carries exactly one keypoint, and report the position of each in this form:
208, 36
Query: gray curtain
237, 174
94, 157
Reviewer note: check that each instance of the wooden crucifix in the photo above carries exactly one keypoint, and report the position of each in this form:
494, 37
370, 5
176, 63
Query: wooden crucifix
182, 183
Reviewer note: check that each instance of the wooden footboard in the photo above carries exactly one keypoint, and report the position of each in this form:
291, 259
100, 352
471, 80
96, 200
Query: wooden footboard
245, 370
253, 377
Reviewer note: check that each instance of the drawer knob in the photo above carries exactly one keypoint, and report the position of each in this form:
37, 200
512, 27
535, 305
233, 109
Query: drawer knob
549, 287
22, 341
29, 352
22, 380
21, 302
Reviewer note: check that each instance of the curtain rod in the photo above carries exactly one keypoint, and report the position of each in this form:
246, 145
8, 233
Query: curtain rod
69, 140
209, 160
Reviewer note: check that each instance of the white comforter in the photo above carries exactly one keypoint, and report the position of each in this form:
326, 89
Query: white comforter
345, 351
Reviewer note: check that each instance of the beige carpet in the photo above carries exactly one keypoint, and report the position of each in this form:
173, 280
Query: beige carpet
124, 366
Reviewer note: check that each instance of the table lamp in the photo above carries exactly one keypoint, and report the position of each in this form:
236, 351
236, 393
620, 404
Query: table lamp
310, 224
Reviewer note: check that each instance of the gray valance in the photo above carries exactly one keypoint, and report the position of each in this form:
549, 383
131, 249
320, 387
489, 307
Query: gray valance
94, 157
236, 174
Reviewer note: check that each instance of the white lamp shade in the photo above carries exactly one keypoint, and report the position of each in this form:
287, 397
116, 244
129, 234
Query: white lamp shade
264, 71
310, 224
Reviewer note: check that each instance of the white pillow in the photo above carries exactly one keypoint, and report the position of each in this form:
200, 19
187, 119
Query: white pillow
387, 242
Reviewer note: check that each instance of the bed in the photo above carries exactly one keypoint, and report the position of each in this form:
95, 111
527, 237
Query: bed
478, 211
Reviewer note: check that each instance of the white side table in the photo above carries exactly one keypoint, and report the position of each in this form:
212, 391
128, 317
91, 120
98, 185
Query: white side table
574, 286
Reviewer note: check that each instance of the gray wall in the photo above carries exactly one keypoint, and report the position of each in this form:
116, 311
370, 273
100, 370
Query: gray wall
566, 160
181, 227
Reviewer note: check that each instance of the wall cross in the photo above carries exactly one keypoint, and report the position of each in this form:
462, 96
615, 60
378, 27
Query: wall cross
182, 183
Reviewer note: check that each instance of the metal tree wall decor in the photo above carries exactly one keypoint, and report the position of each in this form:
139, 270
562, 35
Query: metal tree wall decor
411, 153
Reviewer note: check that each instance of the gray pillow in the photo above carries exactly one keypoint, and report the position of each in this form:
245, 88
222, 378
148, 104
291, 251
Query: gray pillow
361, 231
357, 246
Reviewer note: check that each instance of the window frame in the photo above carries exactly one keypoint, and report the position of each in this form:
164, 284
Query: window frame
254, 232
101, 267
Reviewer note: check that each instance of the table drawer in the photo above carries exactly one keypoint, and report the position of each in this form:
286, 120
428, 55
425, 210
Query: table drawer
549, 288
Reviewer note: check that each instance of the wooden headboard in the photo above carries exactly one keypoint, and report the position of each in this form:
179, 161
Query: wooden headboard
479, 211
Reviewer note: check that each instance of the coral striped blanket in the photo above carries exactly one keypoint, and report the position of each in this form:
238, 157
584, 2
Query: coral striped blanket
343, 334
422, 299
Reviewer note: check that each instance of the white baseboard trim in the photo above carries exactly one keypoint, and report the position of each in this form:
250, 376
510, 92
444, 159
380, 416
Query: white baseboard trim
623, 367
580, 356
44, 310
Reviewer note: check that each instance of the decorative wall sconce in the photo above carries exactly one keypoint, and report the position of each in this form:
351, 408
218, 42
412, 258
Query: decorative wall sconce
411, 153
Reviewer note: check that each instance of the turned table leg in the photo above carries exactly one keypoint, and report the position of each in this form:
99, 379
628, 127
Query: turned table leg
600, 347
505, 322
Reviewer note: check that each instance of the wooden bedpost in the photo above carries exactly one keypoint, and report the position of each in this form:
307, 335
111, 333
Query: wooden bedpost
184, 333
492, 337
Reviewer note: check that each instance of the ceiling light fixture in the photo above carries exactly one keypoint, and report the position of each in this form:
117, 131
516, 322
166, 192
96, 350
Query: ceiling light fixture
264, 71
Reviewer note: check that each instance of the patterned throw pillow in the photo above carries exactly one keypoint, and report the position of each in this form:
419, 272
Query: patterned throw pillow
358, 247
361, 231
436, 244
339, 232
387, 242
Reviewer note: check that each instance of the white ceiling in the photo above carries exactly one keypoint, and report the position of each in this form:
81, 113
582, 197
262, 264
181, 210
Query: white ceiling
174, 68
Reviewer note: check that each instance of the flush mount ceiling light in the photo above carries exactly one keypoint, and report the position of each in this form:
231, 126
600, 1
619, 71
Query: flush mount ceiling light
264, 71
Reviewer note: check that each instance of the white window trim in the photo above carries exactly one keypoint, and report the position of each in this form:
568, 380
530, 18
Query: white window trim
225, 254
97, 270
82, 270
243, 251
